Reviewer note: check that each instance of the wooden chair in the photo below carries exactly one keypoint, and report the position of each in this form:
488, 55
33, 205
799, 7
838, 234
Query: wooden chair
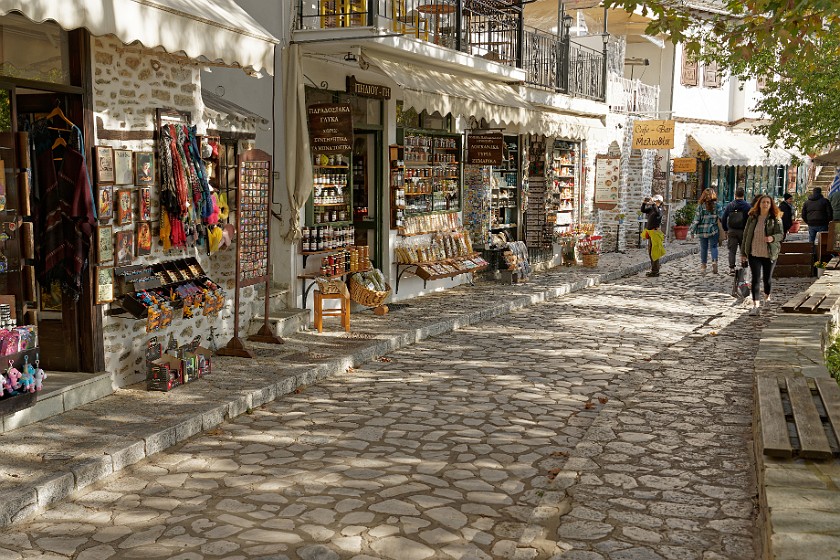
343, 311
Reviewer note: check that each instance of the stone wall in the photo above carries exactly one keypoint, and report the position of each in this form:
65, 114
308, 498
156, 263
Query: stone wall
129, 84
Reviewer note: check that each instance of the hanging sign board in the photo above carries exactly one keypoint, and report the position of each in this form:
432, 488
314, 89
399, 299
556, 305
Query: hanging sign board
367, 90
330, 128
685, 165
607, 180
653, 135
485, 149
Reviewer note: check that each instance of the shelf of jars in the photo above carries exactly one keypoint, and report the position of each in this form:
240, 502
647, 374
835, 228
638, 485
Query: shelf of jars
425, 179
444, 255
331, 203
562, 184
335, 263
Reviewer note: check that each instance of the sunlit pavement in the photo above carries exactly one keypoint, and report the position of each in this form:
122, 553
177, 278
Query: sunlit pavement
609, 423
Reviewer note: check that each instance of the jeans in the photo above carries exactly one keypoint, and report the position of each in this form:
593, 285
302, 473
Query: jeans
813, 231
654, 264
733, 241
760, 268
707, 243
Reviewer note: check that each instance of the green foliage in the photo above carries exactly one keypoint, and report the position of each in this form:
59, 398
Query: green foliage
685, 215
794, 45
798, 202
832, 358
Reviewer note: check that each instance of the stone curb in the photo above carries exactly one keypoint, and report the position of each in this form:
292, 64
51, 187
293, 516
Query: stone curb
22, 503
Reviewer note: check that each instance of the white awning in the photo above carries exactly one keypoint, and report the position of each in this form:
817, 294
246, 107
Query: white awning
735, 148
428, 89
207, 30
561, 125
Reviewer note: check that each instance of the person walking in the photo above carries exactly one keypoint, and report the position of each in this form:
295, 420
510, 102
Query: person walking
733, 221
816, 212
787, 213
652, 208
705, 226
760, 247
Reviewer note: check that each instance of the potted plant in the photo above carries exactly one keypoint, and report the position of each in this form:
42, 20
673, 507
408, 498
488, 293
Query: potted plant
590, 248
820, 267
798, 202
683, 218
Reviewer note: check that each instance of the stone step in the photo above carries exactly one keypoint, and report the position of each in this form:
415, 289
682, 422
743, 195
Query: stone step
277, 298
285, 322
63, 391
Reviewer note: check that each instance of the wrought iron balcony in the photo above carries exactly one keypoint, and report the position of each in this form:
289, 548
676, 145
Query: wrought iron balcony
490, 29
631, 96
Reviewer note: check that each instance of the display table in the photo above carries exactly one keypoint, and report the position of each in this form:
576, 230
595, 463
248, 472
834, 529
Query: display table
445, 268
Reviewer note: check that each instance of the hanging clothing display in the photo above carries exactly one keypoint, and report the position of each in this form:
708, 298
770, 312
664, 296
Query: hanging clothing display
188, 208
65, 211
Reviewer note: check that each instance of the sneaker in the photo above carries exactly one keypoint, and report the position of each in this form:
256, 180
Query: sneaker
652, 274
731, 271
755, 311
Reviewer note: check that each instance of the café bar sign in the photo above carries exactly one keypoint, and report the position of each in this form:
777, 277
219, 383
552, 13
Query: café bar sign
367, 90
685, 165
330, 128
485, 149
653, 135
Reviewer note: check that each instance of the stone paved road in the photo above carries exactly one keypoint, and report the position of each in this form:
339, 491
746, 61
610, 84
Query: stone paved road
607, 424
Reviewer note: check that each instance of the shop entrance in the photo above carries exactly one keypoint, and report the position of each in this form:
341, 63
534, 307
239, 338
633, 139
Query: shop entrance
367, 191
58, 318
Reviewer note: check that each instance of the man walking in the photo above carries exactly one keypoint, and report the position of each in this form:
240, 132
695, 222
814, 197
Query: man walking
733, 220
787, 213
656, 246
816, 212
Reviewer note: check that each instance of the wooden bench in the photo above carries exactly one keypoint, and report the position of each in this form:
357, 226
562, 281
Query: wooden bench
798, 416
796, 260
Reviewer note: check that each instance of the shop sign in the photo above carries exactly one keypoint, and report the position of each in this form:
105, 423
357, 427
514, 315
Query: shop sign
607, 180
685, 165
330, 128
367, 90
485, 149
653, 135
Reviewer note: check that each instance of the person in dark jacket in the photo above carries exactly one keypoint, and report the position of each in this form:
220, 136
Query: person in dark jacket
734, 220
787, 213
816, 212
652, 208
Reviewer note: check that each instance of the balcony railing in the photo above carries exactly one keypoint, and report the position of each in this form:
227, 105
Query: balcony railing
631, 96
490, 29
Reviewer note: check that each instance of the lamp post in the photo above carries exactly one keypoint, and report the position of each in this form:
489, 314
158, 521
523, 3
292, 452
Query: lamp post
605, 37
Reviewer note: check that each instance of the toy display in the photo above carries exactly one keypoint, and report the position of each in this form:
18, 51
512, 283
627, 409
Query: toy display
178, 365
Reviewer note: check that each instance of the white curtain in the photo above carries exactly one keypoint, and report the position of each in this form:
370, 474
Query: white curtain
298, 158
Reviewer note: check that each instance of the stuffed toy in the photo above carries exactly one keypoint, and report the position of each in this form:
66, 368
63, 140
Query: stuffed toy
13, 375
40, 376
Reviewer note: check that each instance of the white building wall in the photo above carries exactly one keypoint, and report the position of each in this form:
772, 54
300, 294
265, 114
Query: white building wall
700, 102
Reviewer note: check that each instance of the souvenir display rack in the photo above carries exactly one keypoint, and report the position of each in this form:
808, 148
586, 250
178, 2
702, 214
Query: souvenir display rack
537, 228
253, 246
19, 351
505, 192
152, 292
446, 256
562, 185
425, 175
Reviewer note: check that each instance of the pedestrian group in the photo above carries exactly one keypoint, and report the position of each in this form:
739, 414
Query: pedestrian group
755, 229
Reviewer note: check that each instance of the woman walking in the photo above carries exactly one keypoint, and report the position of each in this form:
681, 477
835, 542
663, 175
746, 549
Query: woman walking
706, 227
762, 240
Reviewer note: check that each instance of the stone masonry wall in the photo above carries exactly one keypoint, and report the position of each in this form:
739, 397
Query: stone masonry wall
129, 84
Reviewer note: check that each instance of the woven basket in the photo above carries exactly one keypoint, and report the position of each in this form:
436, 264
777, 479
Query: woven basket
590, 260
366, 297
329, 285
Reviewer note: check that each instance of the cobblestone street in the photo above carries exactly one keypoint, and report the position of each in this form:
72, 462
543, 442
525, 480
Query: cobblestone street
612, 423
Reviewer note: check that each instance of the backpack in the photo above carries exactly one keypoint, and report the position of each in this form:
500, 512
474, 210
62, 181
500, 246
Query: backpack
737, 218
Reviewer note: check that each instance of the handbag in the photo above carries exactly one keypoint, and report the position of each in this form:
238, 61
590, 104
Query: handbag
740, 287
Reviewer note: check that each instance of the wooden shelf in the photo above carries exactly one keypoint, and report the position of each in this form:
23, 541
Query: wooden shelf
331, 203
332, 166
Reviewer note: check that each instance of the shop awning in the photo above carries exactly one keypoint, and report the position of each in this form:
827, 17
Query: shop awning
561, 125
425, 88
734, 148
227, 107
208, 30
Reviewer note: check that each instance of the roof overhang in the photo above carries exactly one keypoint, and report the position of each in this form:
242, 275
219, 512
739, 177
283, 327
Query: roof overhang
735, 148
213, 31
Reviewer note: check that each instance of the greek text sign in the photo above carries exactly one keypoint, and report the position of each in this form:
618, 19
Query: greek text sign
685, 165
653, 135
330, 128
485, 149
